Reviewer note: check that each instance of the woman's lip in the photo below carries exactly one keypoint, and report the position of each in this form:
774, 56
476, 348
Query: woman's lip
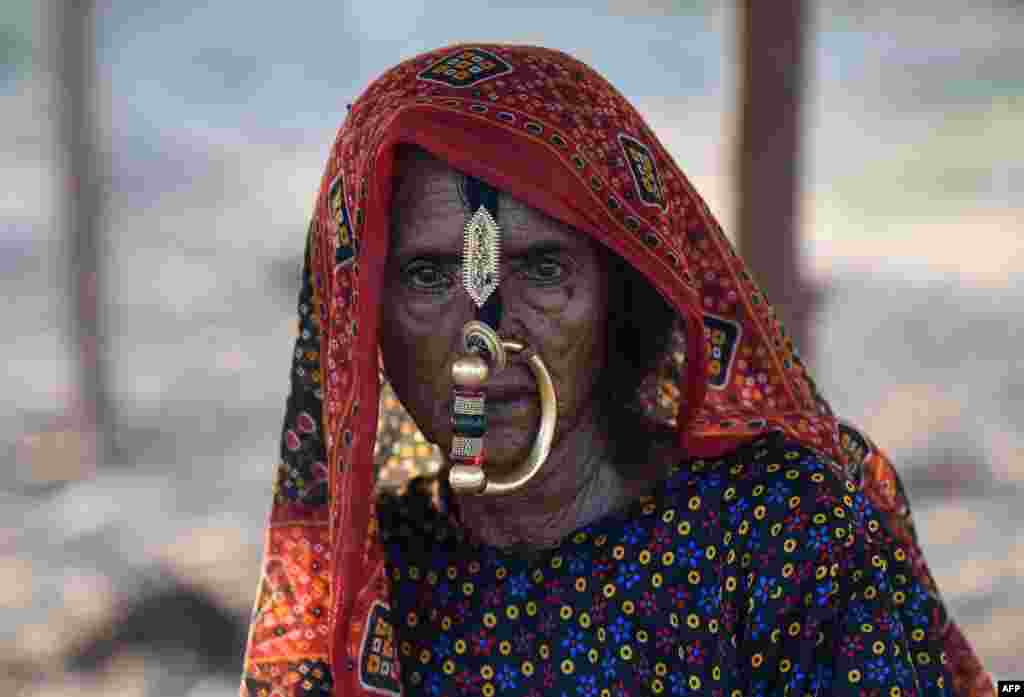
509, 394
507, 404
504, 395
511, 408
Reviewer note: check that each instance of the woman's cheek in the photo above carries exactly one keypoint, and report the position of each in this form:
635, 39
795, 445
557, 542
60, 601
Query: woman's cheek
548, 300
422, 320
418, 344
583, 327
427, 333
410, 323
545, 318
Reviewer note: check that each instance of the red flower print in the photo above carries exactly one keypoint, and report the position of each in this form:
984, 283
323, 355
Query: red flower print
851, 645
481, 643
549, 677
662, 539
305, 423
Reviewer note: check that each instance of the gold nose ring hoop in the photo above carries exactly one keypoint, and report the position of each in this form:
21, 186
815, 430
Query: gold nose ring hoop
486, 355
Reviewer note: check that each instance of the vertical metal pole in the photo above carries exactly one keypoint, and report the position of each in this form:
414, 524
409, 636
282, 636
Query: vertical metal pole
772, 47
80, 216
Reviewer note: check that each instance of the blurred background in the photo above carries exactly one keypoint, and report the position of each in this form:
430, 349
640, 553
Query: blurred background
160, 165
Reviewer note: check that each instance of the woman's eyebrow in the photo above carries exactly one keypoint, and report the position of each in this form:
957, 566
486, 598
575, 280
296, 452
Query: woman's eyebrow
446, 257
539, 249
442, 258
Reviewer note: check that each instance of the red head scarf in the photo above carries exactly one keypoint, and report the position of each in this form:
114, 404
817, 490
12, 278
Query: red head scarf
546, 129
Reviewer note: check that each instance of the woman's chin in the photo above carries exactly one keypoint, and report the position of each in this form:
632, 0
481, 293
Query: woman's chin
505, 453
502, 462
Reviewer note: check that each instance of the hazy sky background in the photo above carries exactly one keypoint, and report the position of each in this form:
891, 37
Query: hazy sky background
913, 118
911, 115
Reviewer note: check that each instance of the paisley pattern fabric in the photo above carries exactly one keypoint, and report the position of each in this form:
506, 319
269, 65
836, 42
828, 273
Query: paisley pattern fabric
758, 573
547, 129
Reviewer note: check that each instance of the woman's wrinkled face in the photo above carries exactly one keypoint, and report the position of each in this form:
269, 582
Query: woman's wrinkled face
554, 298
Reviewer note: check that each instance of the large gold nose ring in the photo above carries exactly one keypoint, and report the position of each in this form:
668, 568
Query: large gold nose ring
486, 355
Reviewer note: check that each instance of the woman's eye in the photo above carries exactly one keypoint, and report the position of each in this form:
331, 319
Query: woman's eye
427, 277
546, 270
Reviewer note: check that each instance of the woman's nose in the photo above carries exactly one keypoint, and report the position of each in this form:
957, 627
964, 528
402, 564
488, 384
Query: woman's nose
513, 310
490, 313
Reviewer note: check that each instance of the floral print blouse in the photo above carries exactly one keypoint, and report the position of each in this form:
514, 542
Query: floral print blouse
763, 572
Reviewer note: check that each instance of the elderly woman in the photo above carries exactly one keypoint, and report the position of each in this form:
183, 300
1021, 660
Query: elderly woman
641, 492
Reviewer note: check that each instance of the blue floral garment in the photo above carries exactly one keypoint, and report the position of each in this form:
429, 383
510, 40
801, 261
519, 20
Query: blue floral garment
759, 573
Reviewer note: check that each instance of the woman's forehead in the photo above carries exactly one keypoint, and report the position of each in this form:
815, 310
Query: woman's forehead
423, 185
426, 209
429, 214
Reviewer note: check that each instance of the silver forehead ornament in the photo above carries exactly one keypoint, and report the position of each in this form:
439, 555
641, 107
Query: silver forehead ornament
481, 251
